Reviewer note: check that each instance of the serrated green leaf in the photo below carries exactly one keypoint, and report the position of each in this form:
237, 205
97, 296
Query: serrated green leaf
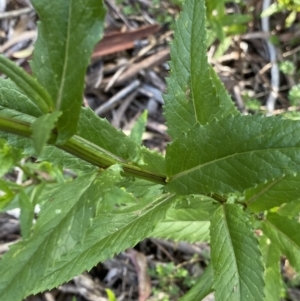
151, 161
32, 89
291, 210
222, 95
70, 229
191, 95
120, 197
142, 189
202, 288
64, 159
138, 129
198, 207
177, 230
273, 193
63, 220
235, 256
188, 221
110, 233
284, 234
67, 34
273, 281
100, 132
233, 154
41, 129
12, 97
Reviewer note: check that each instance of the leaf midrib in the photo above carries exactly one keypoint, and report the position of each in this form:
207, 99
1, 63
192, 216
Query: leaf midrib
46, 237
185, 172
257, 195
204, 68
62, 83
233, 251
190, 83
164, 200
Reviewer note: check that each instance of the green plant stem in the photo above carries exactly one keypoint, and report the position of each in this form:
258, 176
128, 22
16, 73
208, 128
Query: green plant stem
89, 152
82, 149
